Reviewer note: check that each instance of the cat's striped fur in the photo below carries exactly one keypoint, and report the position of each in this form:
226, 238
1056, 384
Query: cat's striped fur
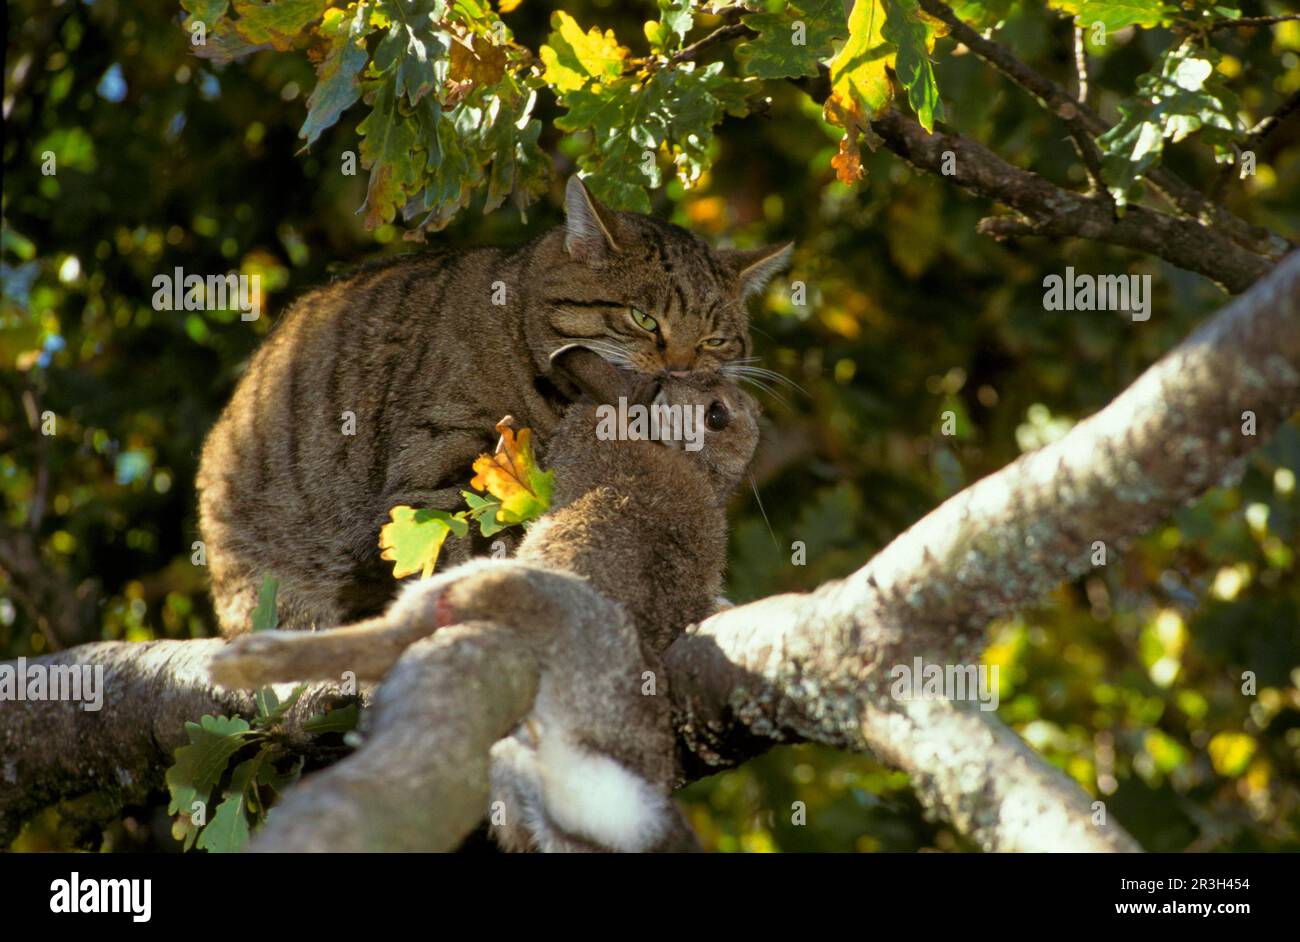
414, 358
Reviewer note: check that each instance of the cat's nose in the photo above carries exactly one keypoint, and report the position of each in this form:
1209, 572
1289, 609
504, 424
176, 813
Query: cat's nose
678, 364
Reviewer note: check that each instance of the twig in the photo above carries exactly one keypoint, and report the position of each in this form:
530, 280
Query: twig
720, 35
1081, 65
1247, 22
1253, 140
1050, 95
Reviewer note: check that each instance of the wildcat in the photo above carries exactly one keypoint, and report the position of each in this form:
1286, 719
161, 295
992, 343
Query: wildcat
631, 552
381, 388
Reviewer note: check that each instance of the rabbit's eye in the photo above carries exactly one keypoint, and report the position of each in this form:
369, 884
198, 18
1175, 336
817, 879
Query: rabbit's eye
717, 418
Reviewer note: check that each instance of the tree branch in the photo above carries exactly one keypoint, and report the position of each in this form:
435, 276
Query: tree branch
813, 667
1085, 126
1248, 22
722, 34
1254, 140
1046, 209
52, 749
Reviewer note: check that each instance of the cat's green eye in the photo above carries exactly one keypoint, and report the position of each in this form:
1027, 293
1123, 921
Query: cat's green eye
713, 342
644, 320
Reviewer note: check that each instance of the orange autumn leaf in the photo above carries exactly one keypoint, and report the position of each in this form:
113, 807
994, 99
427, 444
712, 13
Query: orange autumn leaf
513, 477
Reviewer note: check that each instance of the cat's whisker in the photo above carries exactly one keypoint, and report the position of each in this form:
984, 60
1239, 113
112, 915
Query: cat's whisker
759, 372
765, 387
761, 509
609, 352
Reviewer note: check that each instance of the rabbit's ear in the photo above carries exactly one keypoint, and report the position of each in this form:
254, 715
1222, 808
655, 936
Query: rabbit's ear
578, 371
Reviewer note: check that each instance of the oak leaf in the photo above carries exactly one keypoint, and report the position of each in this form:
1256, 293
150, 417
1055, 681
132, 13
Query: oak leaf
513, 477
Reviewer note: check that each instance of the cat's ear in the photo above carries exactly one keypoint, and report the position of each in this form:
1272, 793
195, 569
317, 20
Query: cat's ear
754, 268
589, 226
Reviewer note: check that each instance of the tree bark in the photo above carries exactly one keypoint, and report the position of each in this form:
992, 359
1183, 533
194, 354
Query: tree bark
52, 749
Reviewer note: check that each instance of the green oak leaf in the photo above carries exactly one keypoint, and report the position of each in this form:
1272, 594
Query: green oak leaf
572, 58
337, 88
632, 119
391, 150
270, 709
1184, 94
981, 14
265, 616
509, 134
208, 11
413, 539
341, 720
777, 52
277, 22
913, 37
676, 17
227, 830
1116, 14
198, 767
415, 54
484, 510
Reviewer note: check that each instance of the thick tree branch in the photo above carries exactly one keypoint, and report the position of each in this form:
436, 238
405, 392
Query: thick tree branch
52, 749
786, 668
813, 667
983, 778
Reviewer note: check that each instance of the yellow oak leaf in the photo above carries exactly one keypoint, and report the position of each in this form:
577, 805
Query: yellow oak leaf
861, 87
412, 540
572, 57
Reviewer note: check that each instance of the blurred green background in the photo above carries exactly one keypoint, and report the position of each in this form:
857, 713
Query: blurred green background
1129, 680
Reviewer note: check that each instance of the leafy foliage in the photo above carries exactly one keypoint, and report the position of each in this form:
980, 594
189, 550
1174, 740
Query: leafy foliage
1183, 95
1116, 14
775, 53
511, 475
518, 490
879, 32
204, 768
266, 616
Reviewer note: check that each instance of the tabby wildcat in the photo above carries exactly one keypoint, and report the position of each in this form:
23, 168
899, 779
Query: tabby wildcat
381, 388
